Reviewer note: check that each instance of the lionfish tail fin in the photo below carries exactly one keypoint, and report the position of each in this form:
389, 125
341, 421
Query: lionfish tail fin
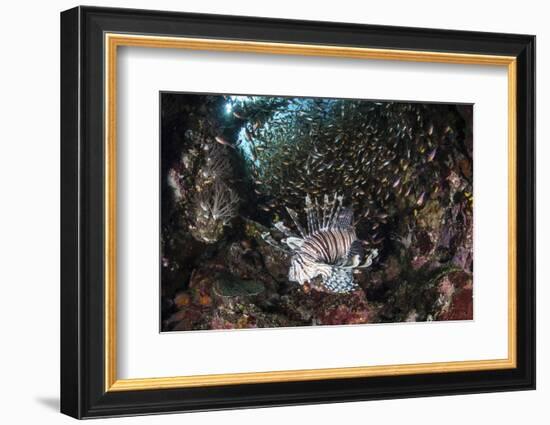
341, 281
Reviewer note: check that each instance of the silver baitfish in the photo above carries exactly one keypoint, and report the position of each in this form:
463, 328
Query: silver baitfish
328, 248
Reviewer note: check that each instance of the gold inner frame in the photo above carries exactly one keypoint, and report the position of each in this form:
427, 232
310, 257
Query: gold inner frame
113, 41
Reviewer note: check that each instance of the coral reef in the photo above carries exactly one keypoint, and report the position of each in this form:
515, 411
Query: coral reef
236, 172
200, 184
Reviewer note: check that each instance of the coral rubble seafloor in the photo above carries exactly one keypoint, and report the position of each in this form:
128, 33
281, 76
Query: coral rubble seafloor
302, 211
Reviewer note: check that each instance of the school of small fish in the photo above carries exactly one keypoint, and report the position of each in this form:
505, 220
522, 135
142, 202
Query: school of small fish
387, 158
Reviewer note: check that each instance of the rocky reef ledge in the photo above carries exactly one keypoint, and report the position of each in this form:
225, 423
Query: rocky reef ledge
244, 283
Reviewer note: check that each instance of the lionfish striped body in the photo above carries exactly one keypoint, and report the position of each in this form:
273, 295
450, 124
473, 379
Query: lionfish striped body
329, 248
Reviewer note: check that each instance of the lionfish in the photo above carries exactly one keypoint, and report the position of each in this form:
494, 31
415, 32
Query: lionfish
328, 248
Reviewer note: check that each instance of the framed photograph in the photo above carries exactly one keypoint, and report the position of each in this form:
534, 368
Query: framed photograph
261, 212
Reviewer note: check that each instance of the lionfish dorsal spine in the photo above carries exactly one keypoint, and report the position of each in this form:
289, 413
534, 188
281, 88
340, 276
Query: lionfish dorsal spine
296, 221
316, 219
326, 216
326, 211
344, 218
338, 199
311, 215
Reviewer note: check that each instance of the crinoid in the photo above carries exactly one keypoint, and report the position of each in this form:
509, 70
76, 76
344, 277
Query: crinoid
328, 248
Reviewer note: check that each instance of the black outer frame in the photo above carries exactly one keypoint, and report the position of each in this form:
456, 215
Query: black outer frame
82, 217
